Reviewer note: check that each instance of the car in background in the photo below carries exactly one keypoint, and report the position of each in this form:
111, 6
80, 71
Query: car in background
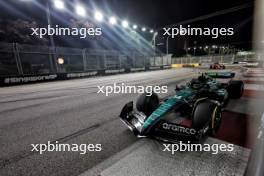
217, 66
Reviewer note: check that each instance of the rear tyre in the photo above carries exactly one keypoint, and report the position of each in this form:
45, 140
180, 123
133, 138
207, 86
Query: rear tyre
207, 112
147, 104
235, 89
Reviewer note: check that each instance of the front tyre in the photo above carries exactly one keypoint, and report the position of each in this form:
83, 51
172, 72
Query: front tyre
216, 120
147, 104
208, 113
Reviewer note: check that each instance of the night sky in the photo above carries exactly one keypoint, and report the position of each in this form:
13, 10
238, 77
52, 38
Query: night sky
150, 13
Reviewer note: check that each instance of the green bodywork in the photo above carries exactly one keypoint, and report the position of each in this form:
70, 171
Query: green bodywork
220, 74
166, 106
183, 95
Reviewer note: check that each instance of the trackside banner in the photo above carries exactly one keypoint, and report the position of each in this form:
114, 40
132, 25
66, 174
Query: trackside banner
27, 79
14, 80
24, 79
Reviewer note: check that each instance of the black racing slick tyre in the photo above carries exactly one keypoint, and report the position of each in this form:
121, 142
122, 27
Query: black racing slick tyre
147, 104
208, 113
235, 89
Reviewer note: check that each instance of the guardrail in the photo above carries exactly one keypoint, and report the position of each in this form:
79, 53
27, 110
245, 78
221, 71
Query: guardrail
204, 59
226, 59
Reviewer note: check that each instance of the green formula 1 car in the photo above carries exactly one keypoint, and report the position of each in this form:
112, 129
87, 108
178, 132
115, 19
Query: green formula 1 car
192, 113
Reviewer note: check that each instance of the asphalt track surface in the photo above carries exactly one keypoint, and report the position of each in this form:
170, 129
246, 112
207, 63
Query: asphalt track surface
70, 112
240, 121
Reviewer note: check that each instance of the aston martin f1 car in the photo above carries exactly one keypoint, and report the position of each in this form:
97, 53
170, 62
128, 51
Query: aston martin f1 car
195, 111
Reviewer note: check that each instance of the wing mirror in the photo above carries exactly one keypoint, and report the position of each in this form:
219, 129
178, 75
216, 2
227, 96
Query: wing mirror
177, 88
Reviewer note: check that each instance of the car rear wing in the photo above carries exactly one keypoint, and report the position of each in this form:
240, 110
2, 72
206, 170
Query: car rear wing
221, 74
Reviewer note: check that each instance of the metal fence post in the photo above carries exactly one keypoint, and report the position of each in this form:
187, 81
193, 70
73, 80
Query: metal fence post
119, 57
134, 59
233, 58
17, 58
144, 61
154, 59
52, 59
104, 54
84, 60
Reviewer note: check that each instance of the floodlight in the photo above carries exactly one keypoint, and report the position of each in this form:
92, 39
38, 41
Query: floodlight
125, 24
112, 20
59, 4
98, 16
135, 26
80, 10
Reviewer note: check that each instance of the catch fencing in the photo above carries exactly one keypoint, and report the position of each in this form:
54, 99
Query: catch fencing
17, 59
